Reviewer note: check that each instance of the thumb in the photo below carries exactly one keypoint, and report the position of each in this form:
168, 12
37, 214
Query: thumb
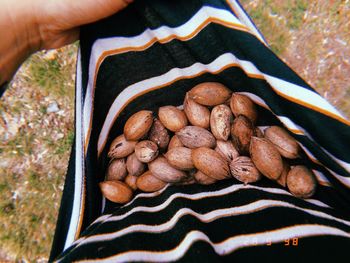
73, 13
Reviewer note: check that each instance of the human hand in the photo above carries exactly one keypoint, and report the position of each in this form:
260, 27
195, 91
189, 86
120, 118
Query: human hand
29, 26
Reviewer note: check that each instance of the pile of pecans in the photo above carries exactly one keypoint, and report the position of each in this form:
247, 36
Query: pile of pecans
212, 138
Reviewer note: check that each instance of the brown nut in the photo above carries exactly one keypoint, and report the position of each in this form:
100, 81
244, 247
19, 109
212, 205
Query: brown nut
130, 180
120, 147
258, 132
159, 134
180, 158
243, 169
209, 93
147, 182
189, 179
220, 122
266, 158
146, 151
197, 115
243, 105
194, 137
174, 142
161, 169
210, 163
242, 130
282, 180
138, 125
283, 141
116, 170
172, 118
301, 181
134, 166
116, 191
204, 179
226, 150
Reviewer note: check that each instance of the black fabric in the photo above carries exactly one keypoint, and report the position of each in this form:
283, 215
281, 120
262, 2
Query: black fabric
66, 208
3, 88
119, 71
218, 230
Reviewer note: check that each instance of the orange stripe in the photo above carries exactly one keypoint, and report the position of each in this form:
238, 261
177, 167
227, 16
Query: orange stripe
313, 107
324, 183
150, 43
295, 131
305, 104
319, 163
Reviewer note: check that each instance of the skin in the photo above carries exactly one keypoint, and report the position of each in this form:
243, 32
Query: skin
30, 26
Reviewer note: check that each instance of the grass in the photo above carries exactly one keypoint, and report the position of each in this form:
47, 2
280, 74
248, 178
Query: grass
28, 213
276, 18
34, 151
65, 144
311, 37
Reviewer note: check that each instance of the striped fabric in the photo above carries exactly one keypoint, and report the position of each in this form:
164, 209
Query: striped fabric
150, 55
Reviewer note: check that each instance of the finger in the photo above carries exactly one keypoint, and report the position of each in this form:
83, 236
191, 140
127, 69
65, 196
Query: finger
74, 13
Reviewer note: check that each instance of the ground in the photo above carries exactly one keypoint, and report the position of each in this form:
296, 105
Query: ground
36, 113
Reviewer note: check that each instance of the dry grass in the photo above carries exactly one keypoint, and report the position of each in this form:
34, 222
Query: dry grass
313, 37
36, 120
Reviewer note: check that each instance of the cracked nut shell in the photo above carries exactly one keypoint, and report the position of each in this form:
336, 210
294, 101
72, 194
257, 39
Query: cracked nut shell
146, 151
243, 169
120, 147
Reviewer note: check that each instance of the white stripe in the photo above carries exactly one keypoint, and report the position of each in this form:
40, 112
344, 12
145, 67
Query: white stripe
201, 195
103, 204
292, 90
147, 195
318, 203
321, 178
345, 165
227, 246
256, 99
144, 195
245, 19
206, 218
79, 162
302, 94
342, 179
163, 32
218, 64
285, 120
101, 218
